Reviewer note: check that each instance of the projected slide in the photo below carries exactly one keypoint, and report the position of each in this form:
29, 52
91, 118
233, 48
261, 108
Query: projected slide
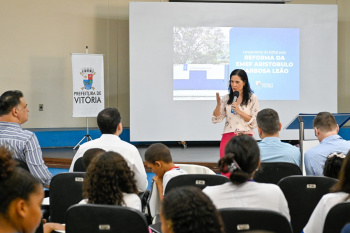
205, 56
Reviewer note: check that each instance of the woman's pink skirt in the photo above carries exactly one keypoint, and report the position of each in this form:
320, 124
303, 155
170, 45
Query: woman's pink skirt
224, 140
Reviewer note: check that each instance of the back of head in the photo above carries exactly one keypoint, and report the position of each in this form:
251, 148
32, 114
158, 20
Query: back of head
189, 210
90, 154
9, 100
268, 121
158, 152
325, 122
108, 120
343, 184
242, 157
14, 182
333, 164
107, 177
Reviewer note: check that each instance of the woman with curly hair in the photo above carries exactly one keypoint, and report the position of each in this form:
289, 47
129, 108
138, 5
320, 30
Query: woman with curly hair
242, 160
110, 181
188, 210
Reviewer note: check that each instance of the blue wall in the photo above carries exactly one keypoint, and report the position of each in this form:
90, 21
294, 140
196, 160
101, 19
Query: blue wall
69, 138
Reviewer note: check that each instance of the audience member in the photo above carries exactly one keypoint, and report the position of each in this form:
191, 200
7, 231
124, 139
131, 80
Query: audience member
20, 197
23, 143
110, 181
340, 192
159, 159
242, 159
109, 123
188, 210
271, 147
90, 154
326, 130
333, 165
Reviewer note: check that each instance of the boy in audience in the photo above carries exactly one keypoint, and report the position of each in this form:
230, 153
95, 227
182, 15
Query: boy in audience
90, 154
159, 159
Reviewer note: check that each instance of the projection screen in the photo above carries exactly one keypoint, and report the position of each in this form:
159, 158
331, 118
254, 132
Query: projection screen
289, 52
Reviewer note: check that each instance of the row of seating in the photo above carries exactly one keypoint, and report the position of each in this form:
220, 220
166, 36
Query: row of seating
302, 193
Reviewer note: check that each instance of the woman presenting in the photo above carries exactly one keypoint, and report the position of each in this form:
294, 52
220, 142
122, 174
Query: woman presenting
240, 112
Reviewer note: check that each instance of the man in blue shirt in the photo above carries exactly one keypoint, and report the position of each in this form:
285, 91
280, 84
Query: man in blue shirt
271, 147
326, 131
23, 143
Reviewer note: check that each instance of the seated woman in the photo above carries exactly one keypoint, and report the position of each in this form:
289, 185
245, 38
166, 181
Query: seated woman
21, 196
340, 192
188, 210
110, 181
242, 159
333, 165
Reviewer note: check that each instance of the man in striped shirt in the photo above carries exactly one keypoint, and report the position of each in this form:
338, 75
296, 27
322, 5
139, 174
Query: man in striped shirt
23, 143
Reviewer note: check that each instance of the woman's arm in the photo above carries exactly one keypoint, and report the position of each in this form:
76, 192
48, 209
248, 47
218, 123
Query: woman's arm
217, 112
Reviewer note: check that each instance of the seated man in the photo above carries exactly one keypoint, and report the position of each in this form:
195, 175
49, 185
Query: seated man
23, 143
109, 123
271, 147
158, 158
326, 131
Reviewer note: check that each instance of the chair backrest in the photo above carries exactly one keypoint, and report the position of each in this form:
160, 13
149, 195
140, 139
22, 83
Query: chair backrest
195, 169
302, 194
245, 219
65, 191
274, 172
337, 217
22, 164
198, 180
78, 165
104, 218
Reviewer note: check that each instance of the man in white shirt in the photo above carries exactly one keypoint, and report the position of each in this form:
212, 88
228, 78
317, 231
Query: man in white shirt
109, 123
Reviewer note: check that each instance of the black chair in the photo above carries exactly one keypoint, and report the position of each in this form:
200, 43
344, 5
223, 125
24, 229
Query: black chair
65, 191
22, 164
274, 172
78, 165
337, 217
104, 218
244, 219
302, 194
198, 180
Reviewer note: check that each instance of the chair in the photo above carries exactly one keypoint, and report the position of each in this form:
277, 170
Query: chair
78, 165
195, 169
337, 217
94, 218
22, 164
302, 194
274, 172
198, 180
65, 190
245, 219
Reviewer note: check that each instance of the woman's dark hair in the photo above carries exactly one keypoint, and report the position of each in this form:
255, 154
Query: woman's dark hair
343, 185
247, 92
189, 210
333, 165
107, 177
242, 157
15, 182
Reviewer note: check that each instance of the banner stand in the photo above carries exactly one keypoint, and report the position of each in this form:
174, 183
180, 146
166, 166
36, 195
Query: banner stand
87, 135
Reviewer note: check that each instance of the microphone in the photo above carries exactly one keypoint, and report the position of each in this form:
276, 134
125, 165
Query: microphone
235, 96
